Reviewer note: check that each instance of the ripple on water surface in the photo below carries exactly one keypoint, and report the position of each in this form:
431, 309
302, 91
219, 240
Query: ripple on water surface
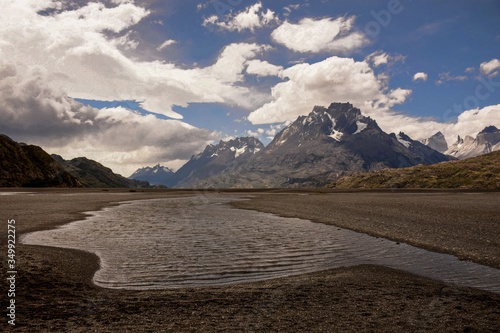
196, 241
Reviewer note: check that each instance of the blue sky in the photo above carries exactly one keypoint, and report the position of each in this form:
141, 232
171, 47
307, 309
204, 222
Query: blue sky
135, 83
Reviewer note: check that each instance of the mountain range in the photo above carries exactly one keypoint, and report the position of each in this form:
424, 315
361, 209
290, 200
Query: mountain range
487, 141
217, 161
157, 175
312, 151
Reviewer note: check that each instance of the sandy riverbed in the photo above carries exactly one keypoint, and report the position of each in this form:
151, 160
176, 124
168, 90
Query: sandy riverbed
54, 292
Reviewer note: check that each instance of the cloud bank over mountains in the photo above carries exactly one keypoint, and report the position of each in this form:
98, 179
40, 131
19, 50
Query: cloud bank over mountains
47, 58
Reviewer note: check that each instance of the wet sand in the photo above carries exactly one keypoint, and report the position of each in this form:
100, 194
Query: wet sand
54, 292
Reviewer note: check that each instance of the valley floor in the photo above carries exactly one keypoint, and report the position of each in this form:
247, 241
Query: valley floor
54, 292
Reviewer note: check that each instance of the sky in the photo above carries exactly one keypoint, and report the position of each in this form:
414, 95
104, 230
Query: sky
135, 83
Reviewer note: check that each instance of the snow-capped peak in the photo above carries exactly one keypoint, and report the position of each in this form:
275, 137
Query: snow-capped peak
232, 148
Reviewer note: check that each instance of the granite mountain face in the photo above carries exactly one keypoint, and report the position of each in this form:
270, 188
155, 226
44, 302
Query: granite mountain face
217, 160
488, 140
437, 142
321, 147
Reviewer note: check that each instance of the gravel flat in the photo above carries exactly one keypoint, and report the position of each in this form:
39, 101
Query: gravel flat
54, 290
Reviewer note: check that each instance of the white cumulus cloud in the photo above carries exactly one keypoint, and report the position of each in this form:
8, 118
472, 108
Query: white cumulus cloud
263, 68
333, 79
339, 79
420, 76
48, 59
378, 59
124, 140
249, 19
469, 122
325, 35
293, 99
490, 68
233, 60
78, 56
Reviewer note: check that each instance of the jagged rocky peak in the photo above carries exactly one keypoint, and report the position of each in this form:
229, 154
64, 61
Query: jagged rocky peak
216, 160
159, 168
241, 146
463, 148
437, 142
344, 118
407, 141
489, 129
489, 136
156, 175
463, 141
404, 139
236, 147
335, 122
338, 121
152, 170
311, 151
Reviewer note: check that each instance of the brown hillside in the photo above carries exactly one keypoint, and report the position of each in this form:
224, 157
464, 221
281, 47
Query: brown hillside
24, 165
482, 172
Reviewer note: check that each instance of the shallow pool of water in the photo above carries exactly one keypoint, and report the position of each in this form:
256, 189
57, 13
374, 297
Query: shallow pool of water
201, 240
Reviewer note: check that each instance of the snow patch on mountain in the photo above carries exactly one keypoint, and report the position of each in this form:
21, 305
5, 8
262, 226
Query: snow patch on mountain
307, 121
361, 127
334, 134
239, 151
404, 142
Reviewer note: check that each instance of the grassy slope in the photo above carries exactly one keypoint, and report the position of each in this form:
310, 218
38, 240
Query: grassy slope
482, 172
